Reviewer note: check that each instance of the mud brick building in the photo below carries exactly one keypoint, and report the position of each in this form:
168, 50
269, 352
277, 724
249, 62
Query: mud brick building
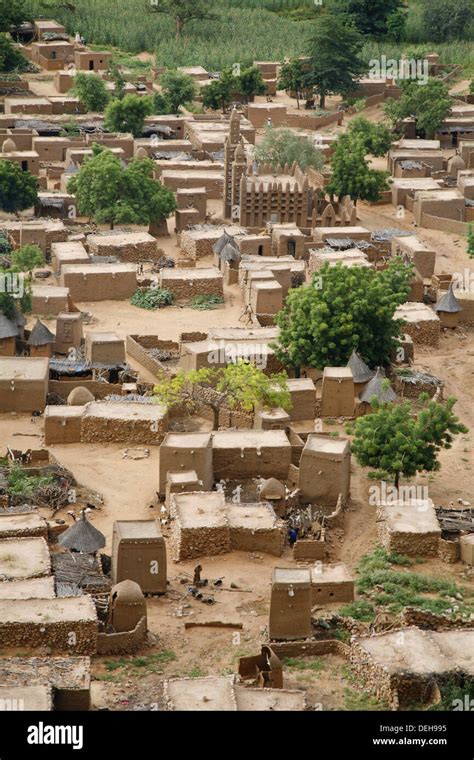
115, 422
409, 527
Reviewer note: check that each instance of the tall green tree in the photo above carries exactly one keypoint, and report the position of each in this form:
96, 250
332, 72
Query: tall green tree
334, 48
282, 146
91, 91
429, 104
220, 92
110, 193
240, 385
178, 89
12, 13
371, 17
377, 137
182, 12
250, 83
344, 308
10, 57
396, 441
18, 188
128, 114
292, 78
351, 172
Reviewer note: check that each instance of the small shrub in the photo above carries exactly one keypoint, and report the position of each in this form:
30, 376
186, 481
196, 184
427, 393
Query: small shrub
206, 302
151, 298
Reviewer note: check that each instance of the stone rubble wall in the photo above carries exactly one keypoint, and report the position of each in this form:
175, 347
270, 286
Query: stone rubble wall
54, 634
185, 289
136, 432
130, 254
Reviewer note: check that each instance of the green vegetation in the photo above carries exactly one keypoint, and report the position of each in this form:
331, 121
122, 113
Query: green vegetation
27, 258
292, 77
315, 664
239, 386
135, 666
109, 192
351, 173
220, 93
322, 324
10, 58
470, 242
18, 189
394, 590
127, 114
151, 298
195, 672
395, 442
372, 17
335, 58
11, 14
205, 302
429, 105
178, 90
359, 610
282, 146
377, 138
457, 694
22, 484
356, 701
91, 91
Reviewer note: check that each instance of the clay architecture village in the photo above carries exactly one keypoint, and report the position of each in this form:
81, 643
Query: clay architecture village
191, 407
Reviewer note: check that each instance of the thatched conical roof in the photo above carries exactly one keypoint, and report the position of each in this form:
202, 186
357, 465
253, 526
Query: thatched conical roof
82, 537
40, 335
375, 388
448, 303
8, 328
360, 371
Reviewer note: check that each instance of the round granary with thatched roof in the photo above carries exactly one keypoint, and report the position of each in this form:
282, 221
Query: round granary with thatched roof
79, 397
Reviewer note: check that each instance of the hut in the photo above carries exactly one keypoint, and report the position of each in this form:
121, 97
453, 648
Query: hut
290, 605
8, 336
41, 340
448, 309
360, 372
82, 537
378, 388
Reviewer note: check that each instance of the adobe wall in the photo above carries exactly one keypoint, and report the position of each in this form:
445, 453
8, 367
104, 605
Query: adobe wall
124, 642
443, 224
424, 332
309, 121
185, 288
174, 460
137, 347
310, 648
28, 396
99, 390
62, 429
128, 253
273, 462
99, 286
307, 549
98, 429
330, 593
266, 540
178, 180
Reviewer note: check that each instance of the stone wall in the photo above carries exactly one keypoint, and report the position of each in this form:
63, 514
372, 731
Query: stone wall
128, 252
185, 288
410, 544
190, 543
449, 551
98, 429
266, 540
412, 616
423, 332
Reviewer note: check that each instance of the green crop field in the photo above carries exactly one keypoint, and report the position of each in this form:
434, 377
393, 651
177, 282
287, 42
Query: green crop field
242, 31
